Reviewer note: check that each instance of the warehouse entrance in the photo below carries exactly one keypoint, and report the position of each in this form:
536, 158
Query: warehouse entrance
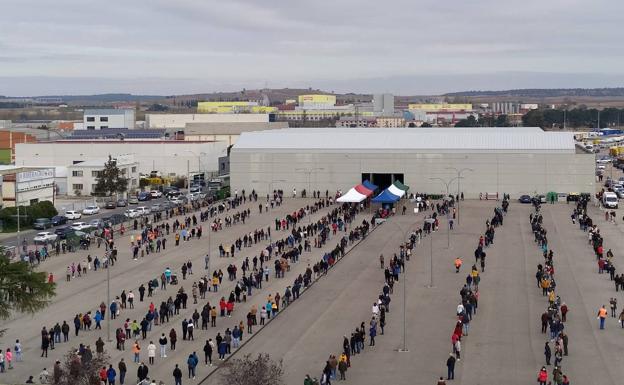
382, 181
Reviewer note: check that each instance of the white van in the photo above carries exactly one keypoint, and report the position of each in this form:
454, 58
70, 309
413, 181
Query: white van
610, 200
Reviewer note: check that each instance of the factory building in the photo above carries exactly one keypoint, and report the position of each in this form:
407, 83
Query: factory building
512, 160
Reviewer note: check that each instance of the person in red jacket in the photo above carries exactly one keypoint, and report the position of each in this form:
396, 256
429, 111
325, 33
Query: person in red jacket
222, 306
542, 376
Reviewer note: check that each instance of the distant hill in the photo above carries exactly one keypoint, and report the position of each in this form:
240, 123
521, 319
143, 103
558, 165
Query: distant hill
544, 93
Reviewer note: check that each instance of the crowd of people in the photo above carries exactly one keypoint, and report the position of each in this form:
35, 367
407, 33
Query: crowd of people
138, 331
554, 318
605, 260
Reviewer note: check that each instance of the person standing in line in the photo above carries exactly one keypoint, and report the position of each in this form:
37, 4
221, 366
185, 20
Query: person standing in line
450, 367
111, 375
547, 353
151, 352
177, 375
163, 346
192, 364
542, 376
122, 371
602, 315
441, 381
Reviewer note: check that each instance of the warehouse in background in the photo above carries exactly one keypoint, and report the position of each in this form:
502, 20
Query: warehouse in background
513, 160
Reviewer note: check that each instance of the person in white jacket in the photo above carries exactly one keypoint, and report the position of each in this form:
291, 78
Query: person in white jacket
151, 352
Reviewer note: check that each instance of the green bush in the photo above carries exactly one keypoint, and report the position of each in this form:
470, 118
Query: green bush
28, 214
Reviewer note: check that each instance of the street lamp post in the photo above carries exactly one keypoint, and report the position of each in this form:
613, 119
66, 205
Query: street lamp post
309, 172
108, 301
448, 230
459, 178
404, 349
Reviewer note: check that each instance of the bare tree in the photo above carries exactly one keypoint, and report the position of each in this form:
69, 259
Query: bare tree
79, 370
247, 371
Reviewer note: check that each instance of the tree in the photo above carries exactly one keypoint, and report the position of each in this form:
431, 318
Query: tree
110, 180
22, 289
77, 370
471, 121
246, 371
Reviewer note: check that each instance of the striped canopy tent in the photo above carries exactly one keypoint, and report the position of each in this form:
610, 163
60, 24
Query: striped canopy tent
355, 195
363, 190
386, 197
369, 185
394, 190
400, 185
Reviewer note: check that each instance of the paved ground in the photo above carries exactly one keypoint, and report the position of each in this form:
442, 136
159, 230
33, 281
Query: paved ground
128, 274
504, 346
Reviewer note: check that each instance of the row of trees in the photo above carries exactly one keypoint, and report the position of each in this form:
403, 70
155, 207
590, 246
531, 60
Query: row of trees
574, 118
28, 214
484, 121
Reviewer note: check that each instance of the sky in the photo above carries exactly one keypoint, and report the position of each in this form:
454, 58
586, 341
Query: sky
403, 46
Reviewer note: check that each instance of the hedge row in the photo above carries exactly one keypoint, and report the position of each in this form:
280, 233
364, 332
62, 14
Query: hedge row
28, 214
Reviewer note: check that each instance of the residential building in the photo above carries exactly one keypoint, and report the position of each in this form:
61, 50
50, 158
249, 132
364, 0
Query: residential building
82, 177
98, 119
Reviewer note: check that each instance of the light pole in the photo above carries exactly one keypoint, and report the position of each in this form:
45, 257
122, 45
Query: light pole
431, 221
404, 349
198, 165
108, 301
459, 178
309, 172
270, 183
448, 230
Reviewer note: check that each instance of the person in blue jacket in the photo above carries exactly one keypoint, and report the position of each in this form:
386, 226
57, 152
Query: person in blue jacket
111, 374
192, 364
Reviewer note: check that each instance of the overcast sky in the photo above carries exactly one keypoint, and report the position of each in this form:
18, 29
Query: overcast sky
401, 46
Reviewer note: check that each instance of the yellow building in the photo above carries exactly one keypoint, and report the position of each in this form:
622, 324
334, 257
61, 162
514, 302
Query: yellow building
440, 106
232, 107
317, 99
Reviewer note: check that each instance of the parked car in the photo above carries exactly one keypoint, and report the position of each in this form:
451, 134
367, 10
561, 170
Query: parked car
525, 199
133, 201
90, 210
601, 167
173, 194
177, 201
156, 194
110, 205
58, 220
132, 213
116, 219
45, 237
193, 196
73, 214
62, 231
122, 203
144, 196
42, 223
81, 226
156, 208
142, 210
97, 223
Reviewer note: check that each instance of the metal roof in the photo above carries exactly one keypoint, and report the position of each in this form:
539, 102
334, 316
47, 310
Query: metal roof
107, 111
453, 139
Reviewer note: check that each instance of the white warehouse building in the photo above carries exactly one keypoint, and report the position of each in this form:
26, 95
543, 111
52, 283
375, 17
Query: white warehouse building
170, 157
516, 161
98, 119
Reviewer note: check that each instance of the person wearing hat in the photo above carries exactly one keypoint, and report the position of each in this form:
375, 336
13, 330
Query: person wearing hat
441, 381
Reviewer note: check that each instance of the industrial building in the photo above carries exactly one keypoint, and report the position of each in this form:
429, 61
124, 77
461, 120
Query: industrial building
170, 157
179, 121
82, 177
512, 160
98, 119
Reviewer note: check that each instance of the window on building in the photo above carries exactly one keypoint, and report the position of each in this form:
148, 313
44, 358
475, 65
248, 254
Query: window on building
96, 174
90, 127
103, 127
77, 173
103, 118
134, 182
124, 171
134, 169
93, 187
90, 118
77, 186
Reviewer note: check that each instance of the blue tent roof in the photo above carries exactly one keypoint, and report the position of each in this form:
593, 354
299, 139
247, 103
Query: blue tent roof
386, 197
369, 185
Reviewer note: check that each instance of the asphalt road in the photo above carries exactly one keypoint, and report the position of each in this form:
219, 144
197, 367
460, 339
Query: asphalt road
12, 239
504, 345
